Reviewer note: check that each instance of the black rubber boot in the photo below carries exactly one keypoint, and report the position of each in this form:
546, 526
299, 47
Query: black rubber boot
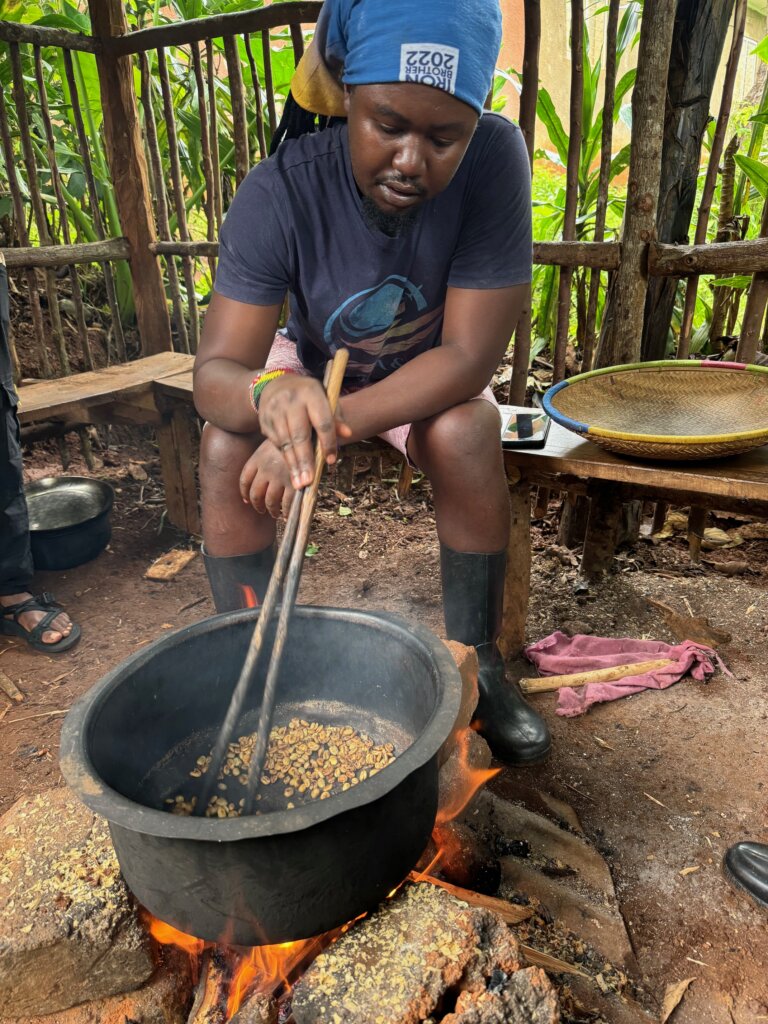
230, 574
473, 602
746, 866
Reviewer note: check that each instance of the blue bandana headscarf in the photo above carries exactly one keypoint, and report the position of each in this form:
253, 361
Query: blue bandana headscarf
449, 44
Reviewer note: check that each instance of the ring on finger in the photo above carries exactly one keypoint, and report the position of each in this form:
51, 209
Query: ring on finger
286, 446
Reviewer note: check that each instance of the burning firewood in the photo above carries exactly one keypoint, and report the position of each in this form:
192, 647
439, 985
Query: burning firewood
216, 971
258, 1009
243, 987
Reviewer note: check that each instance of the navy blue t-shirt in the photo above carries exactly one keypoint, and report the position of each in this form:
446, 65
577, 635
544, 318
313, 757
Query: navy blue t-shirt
296, 225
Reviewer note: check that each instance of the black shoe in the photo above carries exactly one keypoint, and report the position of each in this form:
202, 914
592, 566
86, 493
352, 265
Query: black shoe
239, 581
745, 865
473, 602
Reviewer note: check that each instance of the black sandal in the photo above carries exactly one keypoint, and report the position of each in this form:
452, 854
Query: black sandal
10, 625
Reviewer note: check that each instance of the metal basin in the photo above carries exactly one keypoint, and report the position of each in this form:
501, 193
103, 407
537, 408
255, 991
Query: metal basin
284, 874
69, 520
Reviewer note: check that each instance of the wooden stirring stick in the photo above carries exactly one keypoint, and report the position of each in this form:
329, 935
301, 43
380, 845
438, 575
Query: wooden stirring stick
285, 576
596, 675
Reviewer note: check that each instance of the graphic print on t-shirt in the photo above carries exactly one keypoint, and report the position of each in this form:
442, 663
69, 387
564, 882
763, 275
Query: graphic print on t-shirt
381, 326
296, 226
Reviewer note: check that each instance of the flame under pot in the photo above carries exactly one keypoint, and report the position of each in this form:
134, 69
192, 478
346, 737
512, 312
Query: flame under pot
284, 874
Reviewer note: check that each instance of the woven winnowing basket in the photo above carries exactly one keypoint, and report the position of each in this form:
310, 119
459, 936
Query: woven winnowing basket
667, 410
681, 452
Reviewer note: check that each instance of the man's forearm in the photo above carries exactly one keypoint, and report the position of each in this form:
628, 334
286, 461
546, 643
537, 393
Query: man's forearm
432, 382
221, 396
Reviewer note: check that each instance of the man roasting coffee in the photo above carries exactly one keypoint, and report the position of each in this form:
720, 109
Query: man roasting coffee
402, 232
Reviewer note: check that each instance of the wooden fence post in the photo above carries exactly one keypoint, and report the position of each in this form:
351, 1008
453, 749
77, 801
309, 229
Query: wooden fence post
128, 168
606, 147
572, 185
622, 329
755, 309
522, 346
713, 168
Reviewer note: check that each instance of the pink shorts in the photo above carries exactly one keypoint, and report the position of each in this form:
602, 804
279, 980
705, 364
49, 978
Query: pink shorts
283, 355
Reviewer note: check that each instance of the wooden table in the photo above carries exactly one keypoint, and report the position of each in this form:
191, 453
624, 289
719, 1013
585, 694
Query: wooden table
569, 463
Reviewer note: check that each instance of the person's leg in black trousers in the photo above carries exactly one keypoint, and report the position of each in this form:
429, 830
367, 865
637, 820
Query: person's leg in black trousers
38, 620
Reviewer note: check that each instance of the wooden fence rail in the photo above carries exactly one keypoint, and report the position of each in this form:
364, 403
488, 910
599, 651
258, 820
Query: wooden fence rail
723, 258
197, 30
748, 257
63, 255
41, 35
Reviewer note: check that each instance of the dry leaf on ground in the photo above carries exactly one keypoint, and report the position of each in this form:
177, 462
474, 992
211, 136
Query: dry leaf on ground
714, 538
603, 744
732, 567
137, 472
672, 996
691, 627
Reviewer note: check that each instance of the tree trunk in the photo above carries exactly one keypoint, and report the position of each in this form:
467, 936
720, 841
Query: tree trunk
727, 231
572, 184
623, 318
518, 384
756, 302
700, 31
713, 167
606, 147
128, 168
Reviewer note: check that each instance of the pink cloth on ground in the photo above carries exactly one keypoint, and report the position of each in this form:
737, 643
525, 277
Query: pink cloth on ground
559, 654
283, 355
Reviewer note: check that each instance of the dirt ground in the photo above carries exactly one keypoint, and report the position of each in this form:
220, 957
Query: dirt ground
679, 774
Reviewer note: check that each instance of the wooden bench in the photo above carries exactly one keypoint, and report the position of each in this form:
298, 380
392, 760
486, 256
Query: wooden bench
154, 390
157, 390
130, 393
569, 463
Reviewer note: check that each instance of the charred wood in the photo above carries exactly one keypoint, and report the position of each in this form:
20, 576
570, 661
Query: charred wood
212, 994
525, 997
466, 859
257, 1009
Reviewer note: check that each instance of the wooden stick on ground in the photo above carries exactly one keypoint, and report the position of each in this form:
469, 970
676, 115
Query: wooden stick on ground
41, 714
538, 958
9, 687
598, 675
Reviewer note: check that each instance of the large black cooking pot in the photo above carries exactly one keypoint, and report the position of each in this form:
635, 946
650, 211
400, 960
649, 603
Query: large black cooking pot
282, 875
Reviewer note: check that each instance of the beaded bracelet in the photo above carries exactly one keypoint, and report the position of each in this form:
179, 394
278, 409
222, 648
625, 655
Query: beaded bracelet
260, 381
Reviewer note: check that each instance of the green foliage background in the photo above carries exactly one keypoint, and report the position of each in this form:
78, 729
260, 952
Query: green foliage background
548, 181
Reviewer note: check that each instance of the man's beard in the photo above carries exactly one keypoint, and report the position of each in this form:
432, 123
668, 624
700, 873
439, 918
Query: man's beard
392, 224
